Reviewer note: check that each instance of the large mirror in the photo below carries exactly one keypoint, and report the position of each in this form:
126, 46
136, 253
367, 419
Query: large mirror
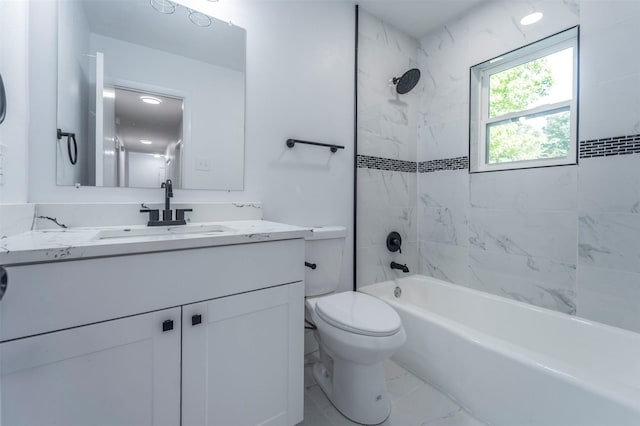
149, 90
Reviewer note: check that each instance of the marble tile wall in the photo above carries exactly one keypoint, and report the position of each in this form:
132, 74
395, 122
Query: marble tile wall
386, 203
522, 235
565, 238
386, 120
609, 240
387, 179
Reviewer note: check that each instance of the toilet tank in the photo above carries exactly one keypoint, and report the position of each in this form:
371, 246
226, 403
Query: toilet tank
324, 248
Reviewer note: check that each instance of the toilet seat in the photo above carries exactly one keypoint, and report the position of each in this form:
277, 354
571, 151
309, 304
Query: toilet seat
359, 313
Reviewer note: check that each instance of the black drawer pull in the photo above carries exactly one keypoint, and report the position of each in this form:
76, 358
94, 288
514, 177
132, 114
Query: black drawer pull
167, 325
196, 319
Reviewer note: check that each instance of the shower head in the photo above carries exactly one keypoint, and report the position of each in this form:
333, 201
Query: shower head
407, 82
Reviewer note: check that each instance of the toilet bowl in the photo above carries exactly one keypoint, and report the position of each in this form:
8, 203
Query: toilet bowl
355, 332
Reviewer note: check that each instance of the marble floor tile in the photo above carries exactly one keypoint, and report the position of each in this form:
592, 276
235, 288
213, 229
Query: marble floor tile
414, 402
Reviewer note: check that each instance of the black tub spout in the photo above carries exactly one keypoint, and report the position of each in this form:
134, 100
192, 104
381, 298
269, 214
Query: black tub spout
403, 268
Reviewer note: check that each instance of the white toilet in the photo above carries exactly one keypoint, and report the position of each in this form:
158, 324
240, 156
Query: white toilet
356, 333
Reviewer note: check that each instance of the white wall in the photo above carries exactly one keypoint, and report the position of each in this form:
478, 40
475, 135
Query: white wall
145, 170
300, 58
564, 237
14, 68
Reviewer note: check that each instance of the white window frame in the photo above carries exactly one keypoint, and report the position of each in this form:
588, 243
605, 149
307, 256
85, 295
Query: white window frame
480, 121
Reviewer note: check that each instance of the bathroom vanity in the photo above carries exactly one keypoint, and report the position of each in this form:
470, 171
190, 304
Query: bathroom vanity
166, 329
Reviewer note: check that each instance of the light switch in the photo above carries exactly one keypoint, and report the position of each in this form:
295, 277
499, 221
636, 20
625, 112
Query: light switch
203, 164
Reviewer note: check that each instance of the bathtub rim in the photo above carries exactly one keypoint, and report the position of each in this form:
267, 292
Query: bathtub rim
495, 297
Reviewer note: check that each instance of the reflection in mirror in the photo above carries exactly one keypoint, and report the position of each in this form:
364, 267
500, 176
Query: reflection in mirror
150, 96
147, 141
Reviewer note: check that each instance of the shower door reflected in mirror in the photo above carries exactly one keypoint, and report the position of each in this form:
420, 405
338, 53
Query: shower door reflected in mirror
149, 96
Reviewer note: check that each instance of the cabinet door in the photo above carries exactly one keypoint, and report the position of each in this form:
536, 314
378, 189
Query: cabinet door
242, 365
119, 372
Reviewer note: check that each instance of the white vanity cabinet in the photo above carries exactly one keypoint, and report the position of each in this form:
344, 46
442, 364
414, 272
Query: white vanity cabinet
126, 340
119, 372
241, 358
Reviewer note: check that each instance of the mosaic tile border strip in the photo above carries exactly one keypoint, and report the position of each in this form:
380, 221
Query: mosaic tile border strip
456, 163
605, 147
380, 163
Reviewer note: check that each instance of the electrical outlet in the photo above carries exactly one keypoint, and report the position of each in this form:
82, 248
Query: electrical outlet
203, 164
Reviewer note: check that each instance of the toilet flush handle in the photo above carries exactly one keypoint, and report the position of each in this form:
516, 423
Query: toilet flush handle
310, 265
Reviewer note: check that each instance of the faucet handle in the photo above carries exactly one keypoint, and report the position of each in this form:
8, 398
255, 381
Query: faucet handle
180, 213
154, 214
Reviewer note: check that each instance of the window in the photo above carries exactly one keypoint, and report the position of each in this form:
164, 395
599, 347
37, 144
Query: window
524, 106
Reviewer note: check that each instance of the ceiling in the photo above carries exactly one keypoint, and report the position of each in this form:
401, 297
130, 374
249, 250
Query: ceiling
135, 21
418, 17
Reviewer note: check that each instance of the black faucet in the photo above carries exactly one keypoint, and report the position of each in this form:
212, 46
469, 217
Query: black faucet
403, 268
167, 213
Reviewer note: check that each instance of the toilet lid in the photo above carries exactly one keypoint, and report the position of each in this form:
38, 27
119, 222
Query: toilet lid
359, 313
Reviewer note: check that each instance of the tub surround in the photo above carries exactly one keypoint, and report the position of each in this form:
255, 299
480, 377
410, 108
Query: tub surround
386, 157
562, 237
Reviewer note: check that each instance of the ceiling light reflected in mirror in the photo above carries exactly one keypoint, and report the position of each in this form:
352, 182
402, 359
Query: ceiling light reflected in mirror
150, 100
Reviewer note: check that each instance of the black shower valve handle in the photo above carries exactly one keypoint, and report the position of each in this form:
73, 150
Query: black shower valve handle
394, 242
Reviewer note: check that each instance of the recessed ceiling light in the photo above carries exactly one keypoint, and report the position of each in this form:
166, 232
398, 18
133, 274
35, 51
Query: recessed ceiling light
531, 18
164, 6
146, 142
150, 100
199, 18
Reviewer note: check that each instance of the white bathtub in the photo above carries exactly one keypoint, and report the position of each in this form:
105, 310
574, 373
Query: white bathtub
510, 363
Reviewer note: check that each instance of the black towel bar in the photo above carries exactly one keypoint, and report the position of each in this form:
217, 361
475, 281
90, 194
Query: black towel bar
334, 148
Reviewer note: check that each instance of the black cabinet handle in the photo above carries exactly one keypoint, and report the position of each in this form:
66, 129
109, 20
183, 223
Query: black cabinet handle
196, 319
167, 325
4, 282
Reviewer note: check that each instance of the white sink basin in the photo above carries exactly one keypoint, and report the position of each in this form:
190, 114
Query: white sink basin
160, 230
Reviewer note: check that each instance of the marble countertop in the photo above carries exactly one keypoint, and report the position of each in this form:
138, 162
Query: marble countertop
77, 243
